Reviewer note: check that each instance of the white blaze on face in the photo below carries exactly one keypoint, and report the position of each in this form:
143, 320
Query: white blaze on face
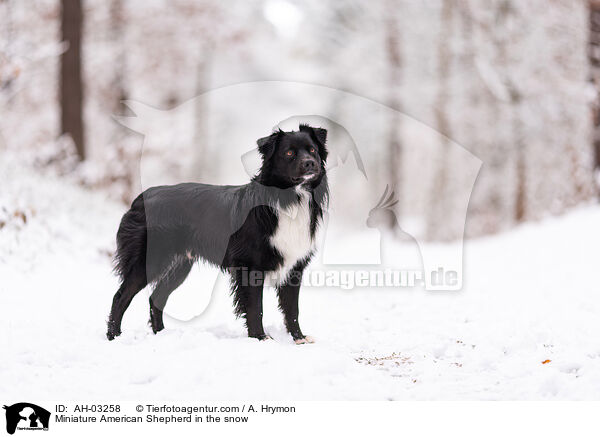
292, 237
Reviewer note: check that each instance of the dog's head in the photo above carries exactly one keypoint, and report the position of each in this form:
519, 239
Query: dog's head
293, 158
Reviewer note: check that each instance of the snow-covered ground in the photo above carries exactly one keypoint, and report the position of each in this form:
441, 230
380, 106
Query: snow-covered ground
525, 326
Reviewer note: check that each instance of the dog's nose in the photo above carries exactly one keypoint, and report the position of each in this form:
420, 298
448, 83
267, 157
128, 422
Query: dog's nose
309, 165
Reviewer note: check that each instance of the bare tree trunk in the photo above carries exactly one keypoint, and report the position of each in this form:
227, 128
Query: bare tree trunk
505, 10
594, 58
521, 163
392, 36
117, 28
71, 92
8, 30
128, 172
201, 156
442, 123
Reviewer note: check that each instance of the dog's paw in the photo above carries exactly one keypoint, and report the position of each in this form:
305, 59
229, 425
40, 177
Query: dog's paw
263, 337
305, 340
111, 335
113, 331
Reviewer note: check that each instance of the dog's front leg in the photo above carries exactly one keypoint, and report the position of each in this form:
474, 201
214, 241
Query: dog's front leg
253, 293
288, 303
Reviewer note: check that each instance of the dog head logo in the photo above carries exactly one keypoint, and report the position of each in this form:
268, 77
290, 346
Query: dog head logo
26, 416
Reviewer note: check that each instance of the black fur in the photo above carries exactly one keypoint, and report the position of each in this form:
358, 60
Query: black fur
168, 228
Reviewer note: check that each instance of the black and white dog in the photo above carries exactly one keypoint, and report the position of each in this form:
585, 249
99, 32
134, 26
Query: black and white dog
261, 232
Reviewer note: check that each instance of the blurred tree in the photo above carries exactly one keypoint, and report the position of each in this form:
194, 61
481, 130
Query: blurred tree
394, 62
439, 201
594, 58
71, 89
117, 30
117, 93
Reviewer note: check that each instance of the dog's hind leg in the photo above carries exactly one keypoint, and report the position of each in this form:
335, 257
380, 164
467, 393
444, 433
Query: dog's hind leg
163, 289
131, 285
288, 304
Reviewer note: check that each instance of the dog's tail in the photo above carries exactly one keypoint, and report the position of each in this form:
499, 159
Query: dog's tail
131, 239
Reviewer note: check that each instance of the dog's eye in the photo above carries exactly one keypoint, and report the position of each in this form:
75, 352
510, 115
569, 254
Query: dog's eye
312, 150
289, 153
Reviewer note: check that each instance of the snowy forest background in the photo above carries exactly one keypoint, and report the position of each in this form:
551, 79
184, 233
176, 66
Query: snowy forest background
512, 82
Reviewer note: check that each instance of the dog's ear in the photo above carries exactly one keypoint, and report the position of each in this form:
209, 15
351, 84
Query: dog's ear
320, 136
267, 145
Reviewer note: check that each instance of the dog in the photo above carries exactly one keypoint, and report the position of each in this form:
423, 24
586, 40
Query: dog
261, 233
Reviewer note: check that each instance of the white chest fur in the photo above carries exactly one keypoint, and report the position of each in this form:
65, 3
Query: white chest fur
292, 237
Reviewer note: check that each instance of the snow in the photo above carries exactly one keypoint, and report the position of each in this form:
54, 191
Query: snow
529, 295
